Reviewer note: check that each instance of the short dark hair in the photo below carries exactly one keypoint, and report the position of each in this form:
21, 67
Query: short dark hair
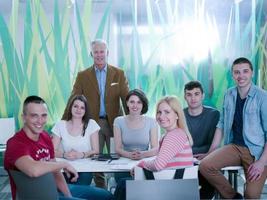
193, 84
32, 99
141, 96
87, 115
242, 60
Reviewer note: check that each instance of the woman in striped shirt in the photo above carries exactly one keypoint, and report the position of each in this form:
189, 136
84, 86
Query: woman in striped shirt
175, 146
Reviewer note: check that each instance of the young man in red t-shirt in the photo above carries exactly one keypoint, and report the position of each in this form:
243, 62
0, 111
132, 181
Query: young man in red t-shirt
31, 151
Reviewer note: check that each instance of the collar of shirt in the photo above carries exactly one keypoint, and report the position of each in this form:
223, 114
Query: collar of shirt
99, 70
251, 92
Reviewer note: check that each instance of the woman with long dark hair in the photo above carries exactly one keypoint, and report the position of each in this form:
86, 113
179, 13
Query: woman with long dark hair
77, 136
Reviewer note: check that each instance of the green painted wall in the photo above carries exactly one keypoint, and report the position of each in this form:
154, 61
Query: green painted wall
41, 51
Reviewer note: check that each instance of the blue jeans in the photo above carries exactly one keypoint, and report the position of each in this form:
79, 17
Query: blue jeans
85, 178
86, 192
121, 178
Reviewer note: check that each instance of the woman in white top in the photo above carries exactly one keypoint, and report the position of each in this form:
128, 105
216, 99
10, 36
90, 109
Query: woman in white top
135, 135
77, 136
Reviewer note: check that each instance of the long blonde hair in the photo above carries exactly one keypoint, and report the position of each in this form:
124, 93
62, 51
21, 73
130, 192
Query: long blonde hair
175, 104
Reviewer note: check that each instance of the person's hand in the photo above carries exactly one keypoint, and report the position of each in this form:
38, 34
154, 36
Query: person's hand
73, 155
136, 155
200, 156
71, 172
255, 171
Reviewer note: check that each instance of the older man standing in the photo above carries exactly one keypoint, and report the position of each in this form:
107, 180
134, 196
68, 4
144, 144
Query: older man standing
105, 87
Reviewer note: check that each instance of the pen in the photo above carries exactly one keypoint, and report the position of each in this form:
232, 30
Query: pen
109, 161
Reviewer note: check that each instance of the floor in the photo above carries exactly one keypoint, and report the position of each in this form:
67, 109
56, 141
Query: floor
6, 195
4, 186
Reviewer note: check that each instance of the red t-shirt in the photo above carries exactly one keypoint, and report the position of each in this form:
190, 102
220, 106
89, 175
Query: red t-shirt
20, 145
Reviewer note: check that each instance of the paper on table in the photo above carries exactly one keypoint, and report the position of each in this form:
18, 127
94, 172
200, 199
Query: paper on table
122, 162
124, 166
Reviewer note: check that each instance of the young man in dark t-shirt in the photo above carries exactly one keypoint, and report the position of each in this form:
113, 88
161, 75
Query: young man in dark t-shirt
201, 121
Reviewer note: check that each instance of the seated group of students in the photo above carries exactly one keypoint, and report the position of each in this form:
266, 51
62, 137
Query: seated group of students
136, 137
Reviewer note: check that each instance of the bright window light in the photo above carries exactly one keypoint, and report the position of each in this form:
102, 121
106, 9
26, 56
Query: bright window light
192, 39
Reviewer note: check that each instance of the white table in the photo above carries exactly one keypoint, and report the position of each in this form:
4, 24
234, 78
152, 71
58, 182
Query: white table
88, 165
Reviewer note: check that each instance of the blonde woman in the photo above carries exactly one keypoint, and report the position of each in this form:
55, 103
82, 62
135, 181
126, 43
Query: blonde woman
175, 146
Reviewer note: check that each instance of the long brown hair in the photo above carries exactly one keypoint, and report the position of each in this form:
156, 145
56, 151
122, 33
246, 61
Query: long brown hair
87, 115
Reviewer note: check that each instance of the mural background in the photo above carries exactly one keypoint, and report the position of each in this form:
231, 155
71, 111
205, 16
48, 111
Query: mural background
161, 44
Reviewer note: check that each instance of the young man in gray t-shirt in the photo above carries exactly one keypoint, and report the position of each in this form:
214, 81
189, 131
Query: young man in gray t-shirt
201, 121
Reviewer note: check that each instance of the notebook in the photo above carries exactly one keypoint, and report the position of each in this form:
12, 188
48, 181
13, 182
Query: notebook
105, 157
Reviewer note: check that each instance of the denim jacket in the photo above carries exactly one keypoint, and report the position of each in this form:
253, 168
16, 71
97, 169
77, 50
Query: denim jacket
254, 119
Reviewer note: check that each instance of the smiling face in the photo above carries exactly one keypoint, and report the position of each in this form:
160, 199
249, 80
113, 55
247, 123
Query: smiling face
166, 117
35, 118
242, 74
78, 109
135, 105
100, 55
194, 98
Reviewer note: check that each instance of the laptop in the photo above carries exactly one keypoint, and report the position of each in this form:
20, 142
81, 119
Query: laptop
105, 157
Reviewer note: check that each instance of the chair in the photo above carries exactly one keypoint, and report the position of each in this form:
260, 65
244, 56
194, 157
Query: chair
28, 188
112, 145
232, 178
7, 129
232, 174
162, 187
111, 183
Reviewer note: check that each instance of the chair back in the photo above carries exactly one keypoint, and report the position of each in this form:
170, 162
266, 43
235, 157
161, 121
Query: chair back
7, 129
163, 186
183, 173
28, 188
112, 145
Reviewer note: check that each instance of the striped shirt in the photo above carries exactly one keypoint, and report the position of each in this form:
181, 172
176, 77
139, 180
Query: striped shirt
174, 152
